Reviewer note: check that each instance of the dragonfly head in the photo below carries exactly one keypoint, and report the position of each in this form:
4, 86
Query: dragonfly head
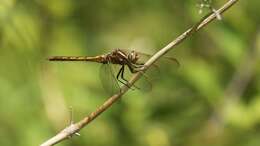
133, 56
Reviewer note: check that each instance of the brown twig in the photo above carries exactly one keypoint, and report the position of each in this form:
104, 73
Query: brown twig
74, 128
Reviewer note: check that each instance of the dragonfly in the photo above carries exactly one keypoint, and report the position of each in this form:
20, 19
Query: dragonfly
123, 58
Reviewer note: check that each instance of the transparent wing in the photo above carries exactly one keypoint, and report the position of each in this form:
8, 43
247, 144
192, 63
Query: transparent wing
154, 73
144, 84
144, 57
108, 79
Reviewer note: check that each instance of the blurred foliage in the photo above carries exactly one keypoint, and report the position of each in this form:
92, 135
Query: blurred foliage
212, 99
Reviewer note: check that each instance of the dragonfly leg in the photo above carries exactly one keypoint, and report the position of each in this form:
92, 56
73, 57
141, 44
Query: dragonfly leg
121, 72
131, 68
122, 77
136, 67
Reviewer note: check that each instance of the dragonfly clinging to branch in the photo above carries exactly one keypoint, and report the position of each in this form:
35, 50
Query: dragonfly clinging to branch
118, 57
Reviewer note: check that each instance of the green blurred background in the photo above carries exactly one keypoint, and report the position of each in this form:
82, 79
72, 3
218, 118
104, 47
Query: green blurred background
213, 98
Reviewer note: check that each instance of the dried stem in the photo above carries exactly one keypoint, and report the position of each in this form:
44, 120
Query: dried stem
74, 128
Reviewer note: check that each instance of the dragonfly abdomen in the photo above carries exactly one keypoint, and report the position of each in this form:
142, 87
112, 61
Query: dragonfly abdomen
99, 59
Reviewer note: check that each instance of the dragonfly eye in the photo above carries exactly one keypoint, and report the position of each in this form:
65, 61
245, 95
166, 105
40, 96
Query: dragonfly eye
133, 56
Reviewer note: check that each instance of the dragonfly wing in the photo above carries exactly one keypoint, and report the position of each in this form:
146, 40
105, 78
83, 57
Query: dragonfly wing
154, 73
145, 57
144, 84
108, 79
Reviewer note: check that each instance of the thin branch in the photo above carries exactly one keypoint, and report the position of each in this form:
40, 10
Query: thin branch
74, 128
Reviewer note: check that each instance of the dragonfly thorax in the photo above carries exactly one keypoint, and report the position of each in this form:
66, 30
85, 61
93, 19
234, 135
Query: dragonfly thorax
121, 57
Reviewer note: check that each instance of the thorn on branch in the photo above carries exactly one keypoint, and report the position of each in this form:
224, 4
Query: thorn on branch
78, 134
71, 115
207, 4
70, 131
